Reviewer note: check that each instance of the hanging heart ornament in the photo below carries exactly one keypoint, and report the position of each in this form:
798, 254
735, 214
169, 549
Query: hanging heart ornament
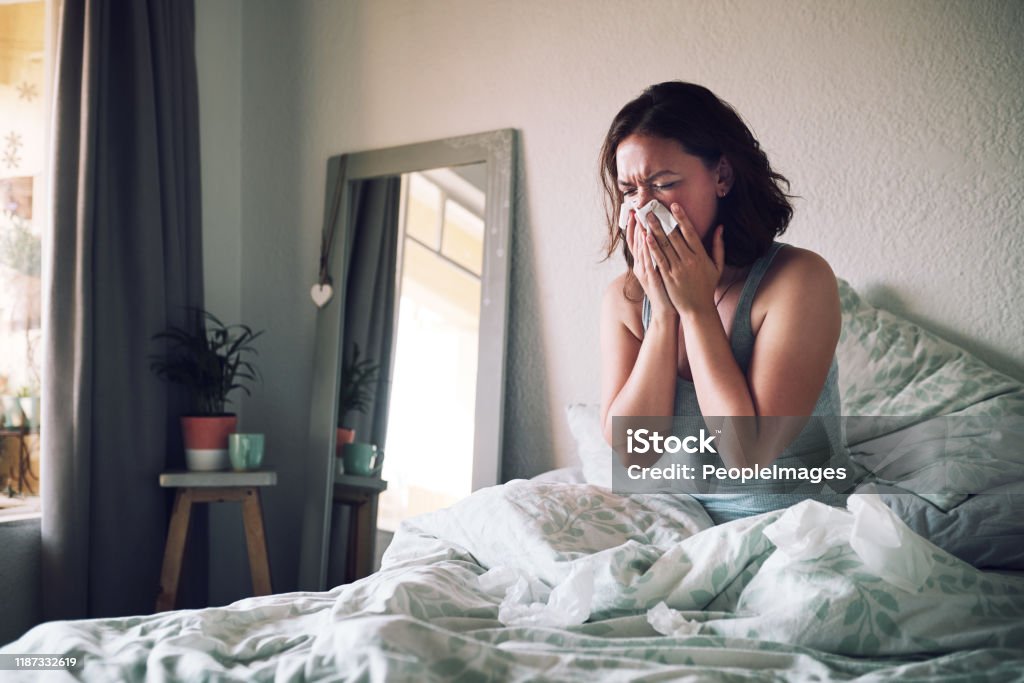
321, 294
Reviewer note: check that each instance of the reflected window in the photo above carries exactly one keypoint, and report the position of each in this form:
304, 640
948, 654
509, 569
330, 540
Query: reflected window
463, 237
422, 220
429, 456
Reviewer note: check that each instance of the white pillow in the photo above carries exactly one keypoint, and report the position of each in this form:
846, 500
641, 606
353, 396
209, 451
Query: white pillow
594, 453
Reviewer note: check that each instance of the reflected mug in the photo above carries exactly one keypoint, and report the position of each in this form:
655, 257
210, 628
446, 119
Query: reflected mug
245, 451
362, 459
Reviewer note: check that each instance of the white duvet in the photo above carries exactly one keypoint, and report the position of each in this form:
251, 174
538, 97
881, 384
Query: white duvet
660, 594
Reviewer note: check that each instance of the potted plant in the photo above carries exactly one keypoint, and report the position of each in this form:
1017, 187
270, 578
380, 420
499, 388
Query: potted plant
358, 377
211, 362
28, 401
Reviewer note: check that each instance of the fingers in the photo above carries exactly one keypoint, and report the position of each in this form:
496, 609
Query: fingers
640, 256
658, 239
686, 230
634, 238
658, 252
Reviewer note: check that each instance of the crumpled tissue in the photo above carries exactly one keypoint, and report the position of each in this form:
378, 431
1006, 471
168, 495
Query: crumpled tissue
807, 530
887, 547
668, 221
669, 622
527, 601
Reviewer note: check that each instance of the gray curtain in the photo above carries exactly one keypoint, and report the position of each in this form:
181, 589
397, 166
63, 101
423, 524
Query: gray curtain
371, 256
125, 261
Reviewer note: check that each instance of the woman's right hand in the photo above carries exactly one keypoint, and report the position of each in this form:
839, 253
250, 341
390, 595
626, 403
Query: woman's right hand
648, 276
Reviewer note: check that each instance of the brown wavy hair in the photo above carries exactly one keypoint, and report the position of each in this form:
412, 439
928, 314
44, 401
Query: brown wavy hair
756, 209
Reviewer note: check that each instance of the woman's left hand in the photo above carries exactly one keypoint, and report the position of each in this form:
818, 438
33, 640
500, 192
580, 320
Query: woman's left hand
689, 274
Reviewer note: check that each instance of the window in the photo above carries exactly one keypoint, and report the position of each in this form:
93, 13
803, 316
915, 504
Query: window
24, 111
429, 459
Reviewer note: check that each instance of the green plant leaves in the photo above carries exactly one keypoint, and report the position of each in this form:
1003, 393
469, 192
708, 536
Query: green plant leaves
358, 375
208, 358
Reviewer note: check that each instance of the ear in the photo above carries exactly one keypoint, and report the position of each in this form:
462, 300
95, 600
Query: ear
724, 177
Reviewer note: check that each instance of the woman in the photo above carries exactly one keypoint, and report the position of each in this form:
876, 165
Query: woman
714, 318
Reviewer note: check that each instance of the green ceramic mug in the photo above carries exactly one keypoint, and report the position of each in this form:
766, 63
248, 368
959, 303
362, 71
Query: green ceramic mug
245, 451
362, 459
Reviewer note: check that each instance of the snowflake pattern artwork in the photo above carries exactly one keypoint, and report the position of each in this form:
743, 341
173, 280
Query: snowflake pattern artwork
12, 143
27, 91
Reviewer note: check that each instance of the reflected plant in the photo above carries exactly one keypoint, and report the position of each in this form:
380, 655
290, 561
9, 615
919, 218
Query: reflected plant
358, 376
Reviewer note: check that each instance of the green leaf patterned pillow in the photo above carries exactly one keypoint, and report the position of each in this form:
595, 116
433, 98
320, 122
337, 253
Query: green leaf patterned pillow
890, 366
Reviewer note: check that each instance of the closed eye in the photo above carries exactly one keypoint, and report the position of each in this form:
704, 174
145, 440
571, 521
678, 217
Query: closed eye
662, 187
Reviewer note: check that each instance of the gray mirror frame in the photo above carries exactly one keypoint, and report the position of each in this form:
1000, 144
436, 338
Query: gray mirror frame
496, 148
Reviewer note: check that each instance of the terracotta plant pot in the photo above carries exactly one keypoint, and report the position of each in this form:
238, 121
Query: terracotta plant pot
206, 441
345, 436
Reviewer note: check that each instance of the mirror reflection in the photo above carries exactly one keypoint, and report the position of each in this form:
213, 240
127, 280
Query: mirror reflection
407, 396
410, 351
430, 425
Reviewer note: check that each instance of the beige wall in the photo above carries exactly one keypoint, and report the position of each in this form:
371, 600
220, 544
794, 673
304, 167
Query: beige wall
900, 125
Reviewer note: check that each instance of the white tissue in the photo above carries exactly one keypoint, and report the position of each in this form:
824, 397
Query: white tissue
528, 603
624, 214
669, 622
668, 221
887, 547
807, 530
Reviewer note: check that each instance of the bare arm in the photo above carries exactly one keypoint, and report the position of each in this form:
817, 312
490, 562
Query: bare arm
638, 374
792, 355
793, 348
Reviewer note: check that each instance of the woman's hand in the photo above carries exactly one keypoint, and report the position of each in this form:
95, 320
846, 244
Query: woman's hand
688, 275
646, 275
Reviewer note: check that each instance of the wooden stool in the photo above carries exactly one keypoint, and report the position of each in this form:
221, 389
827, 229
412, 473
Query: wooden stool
24, 473
360, 494
214, 487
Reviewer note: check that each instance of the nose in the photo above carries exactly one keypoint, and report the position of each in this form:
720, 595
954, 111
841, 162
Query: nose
642, 196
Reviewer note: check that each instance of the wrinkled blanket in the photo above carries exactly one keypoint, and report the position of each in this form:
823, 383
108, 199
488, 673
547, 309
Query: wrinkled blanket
590, 586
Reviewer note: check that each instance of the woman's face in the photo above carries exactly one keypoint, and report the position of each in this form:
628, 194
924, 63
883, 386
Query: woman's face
659, 168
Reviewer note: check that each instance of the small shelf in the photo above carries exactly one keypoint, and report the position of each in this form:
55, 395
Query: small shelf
355, 481
196, 479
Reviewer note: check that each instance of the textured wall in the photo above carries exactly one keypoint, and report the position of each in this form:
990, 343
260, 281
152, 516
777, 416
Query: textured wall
899, 124
219, 63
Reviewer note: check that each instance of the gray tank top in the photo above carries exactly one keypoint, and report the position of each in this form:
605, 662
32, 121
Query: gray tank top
820, 444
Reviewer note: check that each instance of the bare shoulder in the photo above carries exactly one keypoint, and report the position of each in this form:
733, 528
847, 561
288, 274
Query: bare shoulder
798, 278
801, 269
622, 303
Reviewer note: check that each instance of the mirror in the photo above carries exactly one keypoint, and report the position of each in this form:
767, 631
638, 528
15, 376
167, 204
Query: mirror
419, 269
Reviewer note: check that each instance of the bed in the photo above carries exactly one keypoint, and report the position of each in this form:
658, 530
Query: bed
561, 579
